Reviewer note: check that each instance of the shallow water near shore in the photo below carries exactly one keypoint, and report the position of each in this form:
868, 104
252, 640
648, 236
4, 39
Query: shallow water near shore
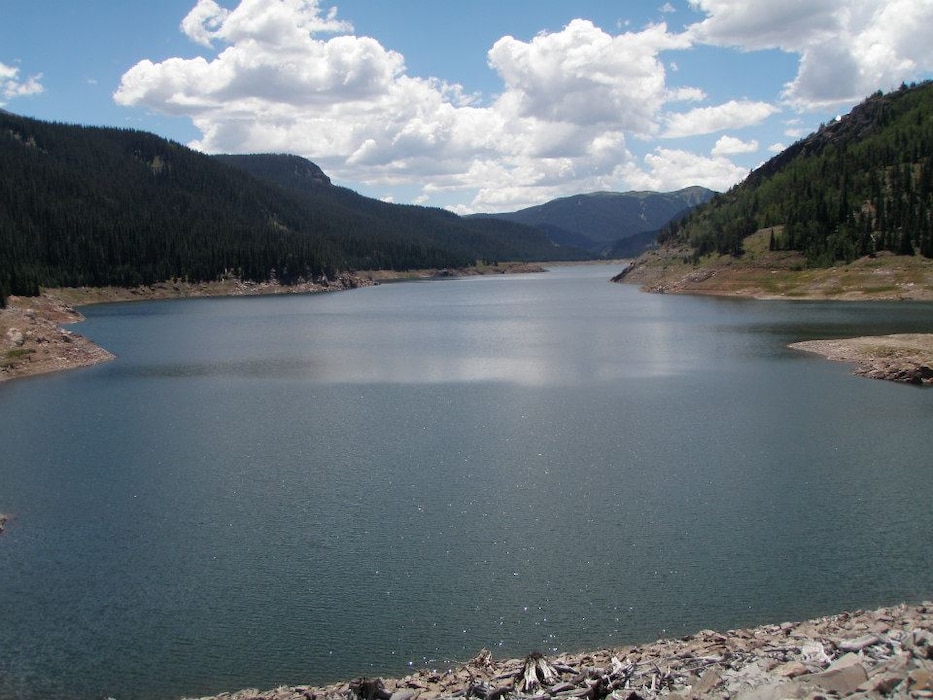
302, 489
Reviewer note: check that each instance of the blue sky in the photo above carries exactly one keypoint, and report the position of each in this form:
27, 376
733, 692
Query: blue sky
473, 106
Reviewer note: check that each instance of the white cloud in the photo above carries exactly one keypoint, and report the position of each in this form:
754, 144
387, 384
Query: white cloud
569, 101
729, 145
201, 24
289, 75
670, 169
848, 48
12, 86
795, 129
733, 114
764, 24
583, 75
283, 22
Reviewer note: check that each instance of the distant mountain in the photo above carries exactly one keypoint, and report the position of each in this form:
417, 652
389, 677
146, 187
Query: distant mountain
100, 206
601, 220
859, 185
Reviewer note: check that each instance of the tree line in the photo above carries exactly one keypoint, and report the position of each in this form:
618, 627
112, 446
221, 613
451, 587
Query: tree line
96, 206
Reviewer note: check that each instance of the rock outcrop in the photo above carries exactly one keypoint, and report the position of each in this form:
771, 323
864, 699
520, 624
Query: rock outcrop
885, 653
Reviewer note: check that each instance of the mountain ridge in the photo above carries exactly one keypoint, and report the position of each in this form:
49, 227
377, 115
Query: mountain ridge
600, 221
98, 206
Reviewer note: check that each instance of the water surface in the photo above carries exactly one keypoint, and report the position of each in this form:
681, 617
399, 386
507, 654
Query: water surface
301, 489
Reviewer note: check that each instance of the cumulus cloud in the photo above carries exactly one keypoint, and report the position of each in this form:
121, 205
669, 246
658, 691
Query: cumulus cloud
729, 145
582, 75
733, 114
672, 169
202, 23
271, 82
282, 22
847, 49
12, 86
290, 75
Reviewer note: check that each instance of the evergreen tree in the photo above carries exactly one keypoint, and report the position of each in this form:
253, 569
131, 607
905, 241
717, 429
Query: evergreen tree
859, 184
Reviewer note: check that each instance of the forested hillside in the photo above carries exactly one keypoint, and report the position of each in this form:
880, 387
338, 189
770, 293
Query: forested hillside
859, 185
101, 206
419, 227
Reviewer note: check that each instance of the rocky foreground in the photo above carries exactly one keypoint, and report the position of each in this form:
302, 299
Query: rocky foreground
885, 653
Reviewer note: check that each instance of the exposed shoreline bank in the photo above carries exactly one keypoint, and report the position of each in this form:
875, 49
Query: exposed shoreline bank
33, 342
906, 357
884, 653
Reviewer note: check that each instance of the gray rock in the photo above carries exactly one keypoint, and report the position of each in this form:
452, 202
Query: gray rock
842, 680
707, 682
782, 690
16, 337
858, 644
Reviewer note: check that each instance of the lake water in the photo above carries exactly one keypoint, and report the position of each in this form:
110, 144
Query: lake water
304, 489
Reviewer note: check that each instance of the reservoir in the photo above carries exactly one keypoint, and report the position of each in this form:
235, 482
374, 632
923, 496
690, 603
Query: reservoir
303, 489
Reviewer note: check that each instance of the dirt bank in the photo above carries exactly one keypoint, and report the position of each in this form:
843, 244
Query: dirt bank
885, 653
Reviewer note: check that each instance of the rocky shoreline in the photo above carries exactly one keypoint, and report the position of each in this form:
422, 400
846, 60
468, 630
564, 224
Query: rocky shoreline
32, 341
905, 357
884, 653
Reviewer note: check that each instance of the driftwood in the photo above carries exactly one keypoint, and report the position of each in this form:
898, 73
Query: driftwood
537, 672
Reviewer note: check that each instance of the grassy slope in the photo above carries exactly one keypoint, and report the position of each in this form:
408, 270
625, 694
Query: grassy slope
763, 274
